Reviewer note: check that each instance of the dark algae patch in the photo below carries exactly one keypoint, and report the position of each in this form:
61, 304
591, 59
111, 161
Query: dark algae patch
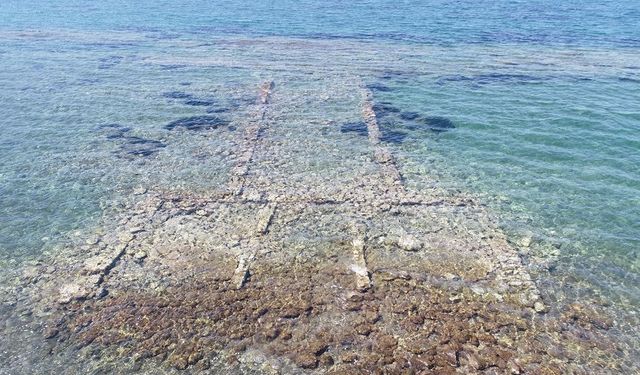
393, 74
114, 131
490, 78
359, 128
378, 87
197, 123
438, 124
241, 102
130, 145
177, 95
396, 126
384, 109
217, 110
141, 152
392, 136
409, 115
629, 79
199, 102
138, 146
109, 61
188, 99
172, 66
142, 146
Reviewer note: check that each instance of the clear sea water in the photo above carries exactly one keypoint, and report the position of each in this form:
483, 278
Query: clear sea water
544, 96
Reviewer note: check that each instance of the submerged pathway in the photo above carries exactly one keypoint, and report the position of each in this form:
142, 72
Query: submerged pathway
313, 257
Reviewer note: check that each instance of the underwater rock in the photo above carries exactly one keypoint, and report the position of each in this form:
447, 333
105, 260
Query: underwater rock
306, 361
92, 240
140, 255
264, 219
408, 242
135, 230
102, 263
525, 240
69, 292
197, 123
241, 274
83, 287
363, 280
359, 128
265, 91
50, 332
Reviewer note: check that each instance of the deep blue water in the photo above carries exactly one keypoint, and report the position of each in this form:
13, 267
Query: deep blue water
605, 23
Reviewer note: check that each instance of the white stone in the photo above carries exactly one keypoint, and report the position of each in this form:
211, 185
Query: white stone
92, 240
409, 243
140, 255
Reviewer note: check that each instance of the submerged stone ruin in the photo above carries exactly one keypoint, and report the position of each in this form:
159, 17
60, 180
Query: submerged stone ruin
336, 269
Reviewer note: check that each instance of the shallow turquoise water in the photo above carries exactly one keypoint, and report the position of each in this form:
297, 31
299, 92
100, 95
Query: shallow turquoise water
542, 96
559, 158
